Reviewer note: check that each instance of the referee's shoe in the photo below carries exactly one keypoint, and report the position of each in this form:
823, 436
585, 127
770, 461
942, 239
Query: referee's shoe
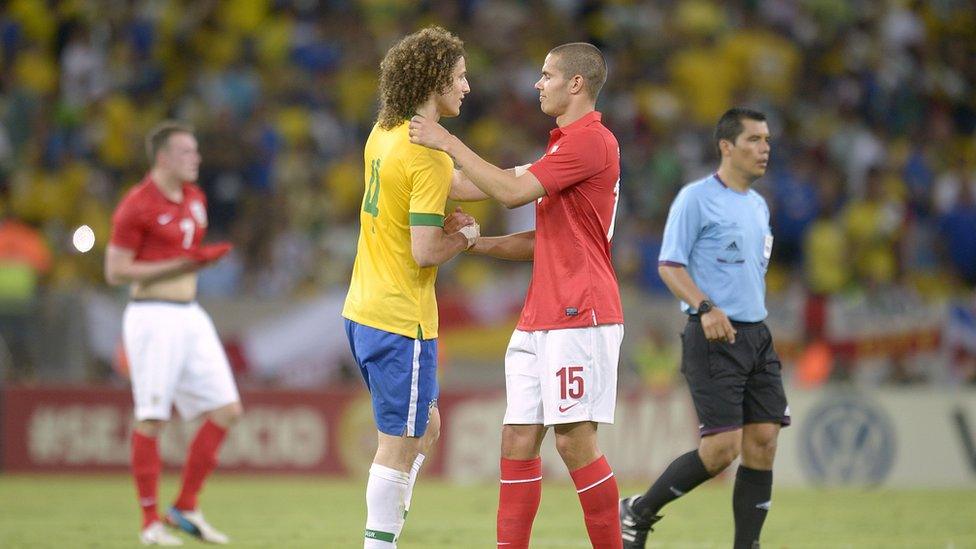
633, 528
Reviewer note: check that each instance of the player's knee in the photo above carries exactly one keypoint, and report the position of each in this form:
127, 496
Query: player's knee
768, 446
575, 452
719, 456
565, 446
726, 456
149, 427
235, 411
227, 416
519, 443
761, 450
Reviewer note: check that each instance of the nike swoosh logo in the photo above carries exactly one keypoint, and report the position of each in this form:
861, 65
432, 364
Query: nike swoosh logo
562, 410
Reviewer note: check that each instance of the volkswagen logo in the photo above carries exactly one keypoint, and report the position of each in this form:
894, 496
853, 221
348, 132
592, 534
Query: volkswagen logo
847, 440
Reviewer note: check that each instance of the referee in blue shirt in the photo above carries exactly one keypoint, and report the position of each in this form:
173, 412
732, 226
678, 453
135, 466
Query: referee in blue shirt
717, 244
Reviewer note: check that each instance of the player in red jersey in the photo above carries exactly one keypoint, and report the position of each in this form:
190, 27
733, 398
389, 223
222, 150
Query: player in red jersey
174, 354
561, 363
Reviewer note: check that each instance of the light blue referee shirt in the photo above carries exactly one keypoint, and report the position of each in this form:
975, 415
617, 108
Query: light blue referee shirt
723, 238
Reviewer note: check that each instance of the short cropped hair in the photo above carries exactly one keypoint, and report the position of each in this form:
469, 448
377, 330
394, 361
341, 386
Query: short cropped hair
730, 125
415, 67
585, 60
158, 137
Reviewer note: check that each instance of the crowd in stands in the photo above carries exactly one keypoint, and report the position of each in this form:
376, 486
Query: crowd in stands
872, 103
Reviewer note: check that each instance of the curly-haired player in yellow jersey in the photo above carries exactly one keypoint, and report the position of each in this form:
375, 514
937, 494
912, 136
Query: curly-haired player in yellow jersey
390, 310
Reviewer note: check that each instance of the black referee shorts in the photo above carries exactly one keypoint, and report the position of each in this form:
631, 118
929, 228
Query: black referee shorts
733, 384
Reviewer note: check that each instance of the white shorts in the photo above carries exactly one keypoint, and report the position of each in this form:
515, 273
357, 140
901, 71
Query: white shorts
562, 376
175, 357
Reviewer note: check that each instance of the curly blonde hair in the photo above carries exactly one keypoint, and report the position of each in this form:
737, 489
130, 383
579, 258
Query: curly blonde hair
415, 67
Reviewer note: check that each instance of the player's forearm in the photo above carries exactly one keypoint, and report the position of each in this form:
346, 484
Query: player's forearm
464, 190
441, 250
514, 247
502, 185
147, 271
678, 280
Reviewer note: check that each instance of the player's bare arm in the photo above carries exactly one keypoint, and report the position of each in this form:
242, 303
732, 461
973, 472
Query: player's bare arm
168, 279
513, 247
503, 185
432, 246
464, 190
715, 323
121, 267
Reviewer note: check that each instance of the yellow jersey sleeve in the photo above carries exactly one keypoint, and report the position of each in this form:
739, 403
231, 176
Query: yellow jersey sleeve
430, 173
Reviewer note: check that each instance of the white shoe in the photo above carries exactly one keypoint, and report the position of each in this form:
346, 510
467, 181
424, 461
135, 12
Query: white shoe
193, 523
156, 534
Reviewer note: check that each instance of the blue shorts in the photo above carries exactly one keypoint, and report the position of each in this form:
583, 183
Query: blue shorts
401, 375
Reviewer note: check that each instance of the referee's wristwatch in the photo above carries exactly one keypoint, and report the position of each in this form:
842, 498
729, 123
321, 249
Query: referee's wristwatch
705, 306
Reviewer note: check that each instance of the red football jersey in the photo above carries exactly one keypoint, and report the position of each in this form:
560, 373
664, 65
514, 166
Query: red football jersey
573, 281
155, 227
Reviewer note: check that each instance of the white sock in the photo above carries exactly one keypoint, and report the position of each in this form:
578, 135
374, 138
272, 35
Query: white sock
386, 492
414, 471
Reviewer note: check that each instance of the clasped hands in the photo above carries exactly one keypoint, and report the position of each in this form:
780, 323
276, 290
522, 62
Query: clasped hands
464, 223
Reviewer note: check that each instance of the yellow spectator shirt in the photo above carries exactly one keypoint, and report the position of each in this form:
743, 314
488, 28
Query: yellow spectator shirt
405, 185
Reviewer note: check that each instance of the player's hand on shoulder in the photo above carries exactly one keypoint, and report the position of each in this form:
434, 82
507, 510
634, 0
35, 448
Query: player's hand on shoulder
206, 254
717, 326
428, 133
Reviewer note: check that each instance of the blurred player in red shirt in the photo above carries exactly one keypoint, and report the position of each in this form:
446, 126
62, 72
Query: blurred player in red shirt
561, 363
174, 354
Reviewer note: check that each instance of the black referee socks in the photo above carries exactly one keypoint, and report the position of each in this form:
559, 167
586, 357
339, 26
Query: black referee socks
750, 504
685, 473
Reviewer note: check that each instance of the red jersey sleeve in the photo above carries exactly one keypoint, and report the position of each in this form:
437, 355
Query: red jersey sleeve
571, 160
128, 228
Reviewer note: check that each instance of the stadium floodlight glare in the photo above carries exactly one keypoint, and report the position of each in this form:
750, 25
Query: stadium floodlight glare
83, 239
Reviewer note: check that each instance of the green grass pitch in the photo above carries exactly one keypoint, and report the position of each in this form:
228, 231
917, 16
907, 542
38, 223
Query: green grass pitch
100, 511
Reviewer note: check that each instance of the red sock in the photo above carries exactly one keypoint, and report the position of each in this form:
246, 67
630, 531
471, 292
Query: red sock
599, 496
200, 461
145, 469
518, 501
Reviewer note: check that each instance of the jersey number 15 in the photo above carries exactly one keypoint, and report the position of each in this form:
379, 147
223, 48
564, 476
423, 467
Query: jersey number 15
570, 382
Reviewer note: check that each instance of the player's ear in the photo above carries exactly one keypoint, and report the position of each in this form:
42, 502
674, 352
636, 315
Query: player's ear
725, 147
576, 84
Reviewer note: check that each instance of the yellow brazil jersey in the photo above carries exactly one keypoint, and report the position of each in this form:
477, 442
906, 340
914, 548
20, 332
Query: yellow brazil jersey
406, 185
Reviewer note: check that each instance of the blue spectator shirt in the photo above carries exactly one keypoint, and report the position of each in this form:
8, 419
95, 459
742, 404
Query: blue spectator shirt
723, 238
